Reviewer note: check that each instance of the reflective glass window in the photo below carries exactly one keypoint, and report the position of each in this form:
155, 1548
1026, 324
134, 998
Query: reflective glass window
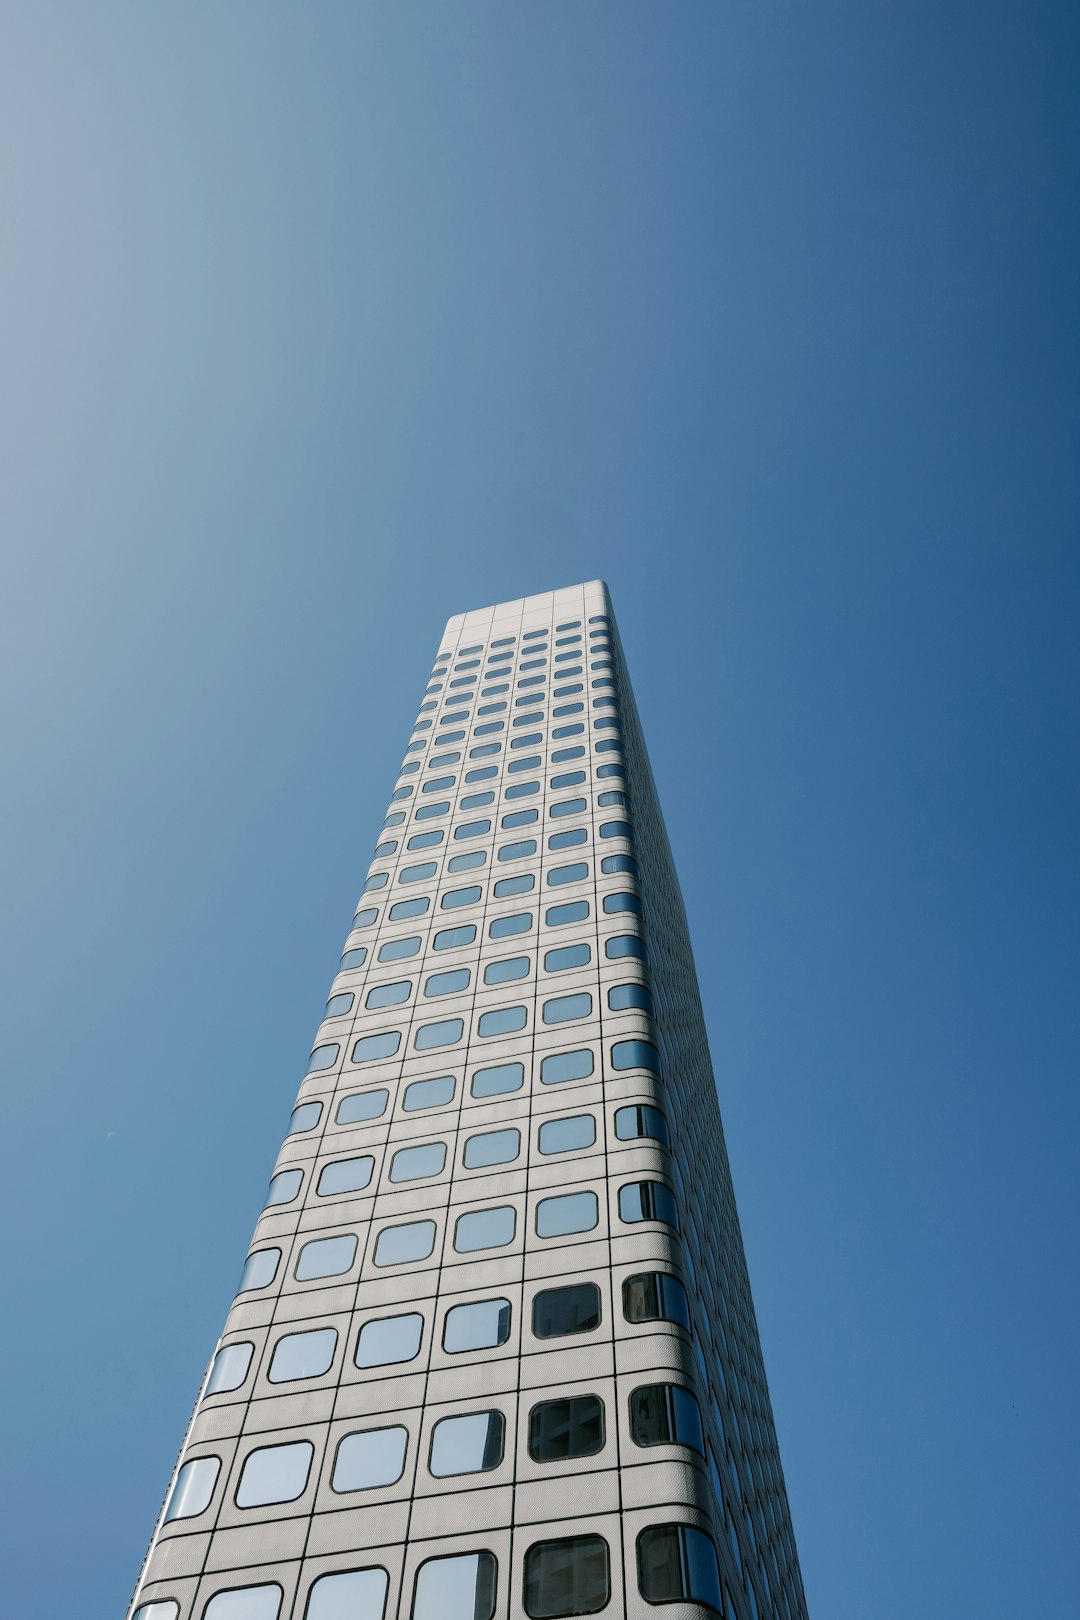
370, 1458
338, 1005
561, 1311
284, 1187
495, 1081
345, 1176
444, 1033
244, 1603
518, 922
566, 807
480, 1326
389, 1339
305, 1118
451, 939
429, 1093
623, 901
352, 1594
635, 1055
193, 1489
648, 1201
564, 1009
461, 897
640, 1120
567, 874
426, 840
569, 1576
414, 1240
616, 829
387, 995
471, 1444
521, 883
619, 863
511, 967
502, 1021
364, 918
626, 945
417, 1163
230, 1368
371, 1048
323, 1057
562, 1429
461, 1587
472, 829
665, 1415
162, 1609
677, 1564
466, 863
566, 1213
360, 1106
415, 874
623, 997
566, 956
567, 839
302, 1355
260, 1268
567, 1135
518, 851
326, 1257
395, 949
352, 959
492, 1147
485, 1229
561, 755
519, 818
446, 984
274, 1474
573, 911
560, 1066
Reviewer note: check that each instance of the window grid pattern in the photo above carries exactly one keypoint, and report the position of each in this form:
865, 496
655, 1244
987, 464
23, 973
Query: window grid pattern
519, 958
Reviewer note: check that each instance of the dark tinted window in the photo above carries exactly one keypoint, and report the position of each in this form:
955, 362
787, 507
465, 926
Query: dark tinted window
655, 1296
562, 1429
677, 1563
565, 1577
559, 1311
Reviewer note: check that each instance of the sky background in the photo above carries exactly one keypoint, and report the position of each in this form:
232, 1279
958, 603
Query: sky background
321, 323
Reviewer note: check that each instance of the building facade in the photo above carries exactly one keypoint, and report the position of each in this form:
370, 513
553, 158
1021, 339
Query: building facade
493, 1353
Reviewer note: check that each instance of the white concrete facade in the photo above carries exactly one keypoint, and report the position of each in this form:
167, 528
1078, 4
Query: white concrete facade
494, 1353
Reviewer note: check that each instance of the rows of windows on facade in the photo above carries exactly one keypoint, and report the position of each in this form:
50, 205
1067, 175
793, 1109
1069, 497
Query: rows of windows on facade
493, 1351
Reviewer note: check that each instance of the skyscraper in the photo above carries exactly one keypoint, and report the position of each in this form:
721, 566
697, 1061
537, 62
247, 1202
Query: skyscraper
493, 1351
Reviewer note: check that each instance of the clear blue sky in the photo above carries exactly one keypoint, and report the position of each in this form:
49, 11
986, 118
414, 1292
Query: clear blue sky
319, 323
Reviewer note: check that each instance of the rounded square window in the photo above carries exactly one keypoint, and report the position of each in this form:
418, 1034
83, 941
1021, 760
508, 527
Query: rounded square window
561, 1311
472, 1444
566, 1213
345, 1176
677, 1564
305, 1118
491, 1147
567, 1577
429, 1093
361, 1106
485, 1229
414, 1240
567, 1009
458, 1588
418, 1163
498, 1079
260, 1269
502, 1021
354, 1594
562, 1429
193, 1489
567, 1135
230, 1368
274, 1474
369, 1459
482, 1325
245, 1603
559, 1067
284, 1187
326, 1257
302, 1355
389, 1339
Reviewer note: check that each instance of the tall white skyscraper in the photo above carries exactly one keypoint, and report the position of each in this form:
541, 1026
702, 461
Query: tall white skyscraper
493, 1352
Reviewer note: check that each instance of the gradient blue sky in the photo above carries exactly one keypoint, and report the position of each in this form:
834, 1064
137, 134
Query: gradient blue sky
321, 323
